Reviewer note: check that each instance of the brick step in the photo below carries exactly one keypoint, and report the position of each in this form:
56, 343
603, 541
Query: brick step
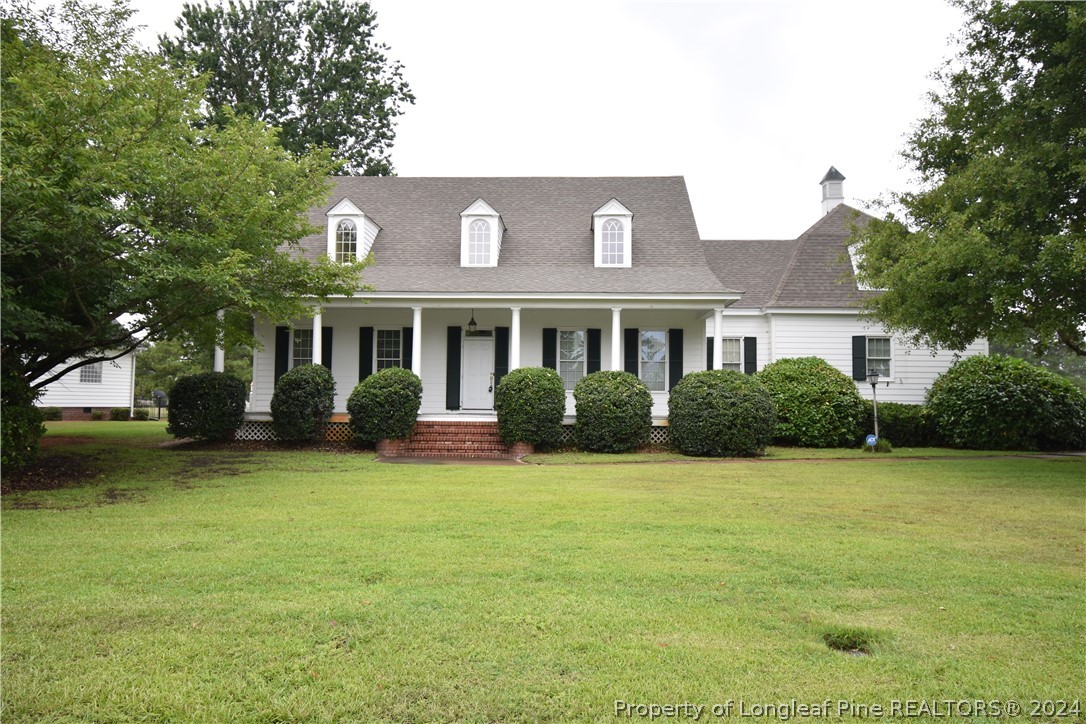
459, 438
430, 454
449, 447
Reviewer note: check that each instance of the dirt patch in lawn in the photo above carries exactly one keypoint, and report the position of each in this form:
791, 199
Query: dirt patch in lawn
204, 467
51, 472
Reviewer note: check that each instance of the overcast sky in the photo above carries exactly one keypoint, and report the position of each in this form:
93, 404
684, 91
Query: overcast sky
750, 101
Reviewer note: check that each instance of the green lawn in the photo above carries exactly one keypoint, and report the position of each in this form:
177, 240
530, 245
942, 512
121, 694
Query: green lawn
190, 584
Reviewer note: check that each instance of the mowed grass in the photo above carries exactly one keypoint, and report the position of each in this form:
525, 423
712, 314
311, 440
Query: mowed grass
211, 585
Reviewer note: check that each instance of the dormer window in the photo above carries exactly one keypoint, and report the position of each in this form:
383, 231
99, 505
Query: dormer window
614, 245
346, 242
612, 227
350, 232
479, 243
481, 230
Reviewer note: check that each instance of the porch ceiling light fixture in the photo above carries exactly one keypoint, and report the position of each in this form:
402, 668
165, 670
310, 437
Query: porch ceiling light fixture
472, 326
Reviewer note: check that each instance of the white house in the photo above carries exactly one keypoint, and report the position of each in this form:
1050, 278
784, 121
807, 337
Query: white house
473, 277
96, 387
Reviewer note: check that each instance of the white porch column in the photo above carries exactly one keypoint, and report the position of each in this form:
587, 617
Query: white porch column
718, 338
220, 353
514, 339
318, 350
616, 338
416, 341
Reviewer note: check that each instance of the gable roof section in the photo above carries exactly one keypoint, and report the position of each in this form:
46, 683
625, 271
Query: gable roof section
819, 274
547, 246
812, 271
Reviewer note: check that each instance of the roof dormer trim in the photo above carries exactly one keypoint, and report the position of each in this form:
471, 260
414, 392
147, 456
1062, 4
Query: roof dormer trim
365, 231
612, 235
473, 253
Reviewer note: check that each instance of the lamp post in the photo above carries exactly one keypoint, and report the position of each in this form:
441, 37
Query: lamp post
873, 380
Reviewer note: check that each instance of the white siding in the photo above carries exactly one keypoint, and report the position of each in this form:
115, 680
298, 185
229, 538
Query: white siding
115, 389
829, 336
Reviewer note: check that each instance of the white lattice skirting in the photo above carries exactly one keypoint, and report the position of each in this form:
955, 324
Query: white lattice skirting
262, 431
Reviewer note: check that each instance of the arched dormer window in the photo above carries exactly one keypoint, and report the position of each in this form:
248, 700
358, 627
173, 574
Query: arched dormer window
481, 230
346, 242
614, 244
350, 232
479, 243
612, 232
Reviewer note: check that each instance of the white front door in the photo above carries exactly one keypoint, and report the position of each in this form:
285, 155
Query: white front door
478, 389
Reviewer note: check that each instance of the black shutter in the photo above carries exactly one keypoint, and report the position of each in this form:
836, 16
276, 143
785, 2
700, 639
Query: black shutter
282, 351
675, 353
593, 352
709, 343
501, 354
631, 352
365, 352
859, 357
407, 342
750, 355
550, 347
326, 347
452, 369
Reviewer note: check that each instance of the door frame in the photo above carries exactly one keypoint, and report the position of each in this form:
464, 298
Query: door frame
465, 341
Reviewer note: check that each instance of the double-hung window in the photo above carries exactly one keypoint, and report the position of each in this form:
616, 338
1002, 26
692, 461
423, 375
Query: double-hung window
302, 348
91, 374
479, 242
346, 242
389, 343
878, 355
731, 354
652, 364
613, 252
571, 356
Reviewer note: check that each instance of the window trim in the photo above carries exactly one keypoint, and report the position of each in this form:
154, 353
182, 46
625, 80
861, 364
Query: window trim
474, 243
739, 360
339, 253
293, 356
667, 357
93, 366
605, 231
558, 352
376, 335
868, 357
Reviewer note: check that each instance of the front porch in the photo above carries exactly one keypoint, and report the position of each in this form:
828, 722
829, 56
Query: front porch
460, 349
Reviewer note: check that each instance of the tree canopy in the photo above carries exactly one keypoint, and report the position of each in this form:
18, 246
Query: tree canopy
126, 216
309, 67
160, 365
994, 242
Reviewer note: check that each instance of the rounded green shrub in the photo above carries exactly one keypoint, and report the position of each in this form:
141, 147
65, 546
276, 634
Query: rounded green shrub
52, 413
817, 404
720, 413
119, 414
385, 405
141, 415
303, 401
208, 406
21, 423
530, 402
907, 425
1005, 403
614, 412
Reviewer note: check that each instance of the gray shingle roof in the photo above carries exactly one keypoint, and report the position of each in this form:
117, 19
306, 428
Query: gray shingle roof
547, 246
812, 271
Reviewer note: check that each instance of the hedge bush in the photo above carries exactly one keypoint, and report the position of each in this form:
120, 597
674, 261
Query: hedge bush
906, 425
141, 415
614, 412
385, 405
720, 413
119, 414
97, 415
21, 423
303, 401
531, 402
207, 406
52, 413
817, 404
1005, 403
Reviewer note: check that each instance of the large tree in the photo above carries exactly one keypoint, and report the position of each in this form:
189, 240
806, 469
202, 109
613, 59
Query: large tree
993, 244
309, 67
127, 217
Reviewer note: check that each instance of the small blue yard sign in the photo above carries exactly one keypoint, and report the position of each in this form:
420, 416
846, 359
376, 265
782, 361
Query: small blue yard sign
872, 440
